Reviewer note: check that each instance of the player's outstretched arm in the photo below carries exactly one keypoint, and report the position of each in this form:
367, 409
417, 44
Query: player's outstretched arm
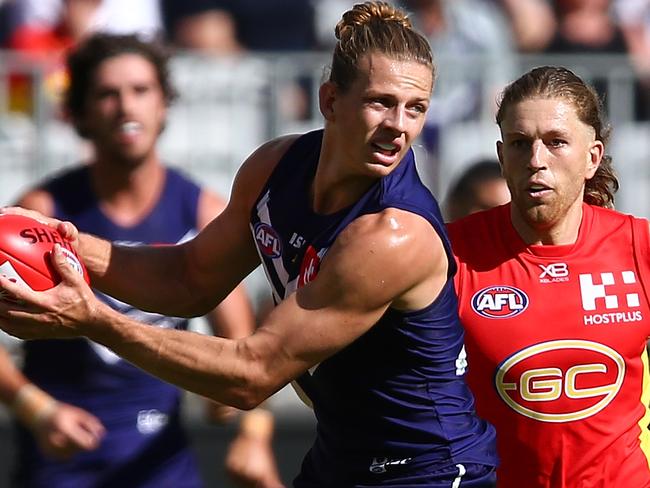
393, 258
188, 279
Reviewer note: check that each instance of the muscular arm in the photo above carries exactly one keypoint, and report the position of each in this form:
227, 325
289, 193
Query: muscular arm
192, 278
389, 259
174, 280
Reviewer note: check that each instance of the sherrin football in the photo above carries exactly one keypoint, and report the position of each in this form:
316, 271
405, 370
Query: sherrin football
25, 247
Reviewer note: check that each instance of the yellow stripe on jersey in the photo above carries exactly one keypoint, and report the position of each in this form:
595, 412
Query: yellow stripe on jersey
644, 437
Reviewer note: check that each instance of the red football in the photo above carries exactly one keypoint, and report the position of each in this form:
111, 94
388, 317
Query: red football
25, 246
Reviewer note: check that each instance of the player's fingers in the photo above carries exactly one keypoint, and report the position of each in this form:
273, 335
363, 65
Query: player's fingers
84, 439
59, 446
15, 295
66, 264
94, 427
68, 231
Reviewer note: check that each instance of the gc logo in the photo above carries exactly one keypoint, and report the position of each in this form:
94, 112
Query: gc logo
560, 381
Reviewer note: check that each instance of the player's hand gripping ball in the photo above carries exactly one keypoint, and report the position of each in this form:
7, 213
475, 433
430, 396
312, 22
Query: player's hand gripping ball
25, 253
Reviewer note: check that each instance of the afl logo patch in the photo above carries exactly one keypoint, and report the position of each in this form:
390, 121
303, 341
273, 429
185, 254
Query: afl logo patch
268, 240
499, 302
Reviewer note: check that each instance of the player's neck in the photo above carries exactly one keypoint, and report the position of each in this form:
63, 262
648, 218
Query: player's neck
558, 232
334, 187
331, 192
127, 193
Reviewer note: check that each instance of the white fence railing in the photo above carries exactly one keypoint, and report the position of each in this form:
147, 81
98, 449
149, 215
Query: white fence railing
227, 107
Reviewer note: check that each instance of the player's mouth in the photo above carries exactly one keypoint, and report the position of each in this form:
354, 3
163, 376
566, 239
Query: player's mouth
538, 190
130, 128
385, 152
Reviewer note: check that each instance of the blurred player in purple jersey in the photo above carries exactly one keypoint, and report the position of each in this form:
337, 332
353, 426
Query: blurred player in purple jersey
88, 417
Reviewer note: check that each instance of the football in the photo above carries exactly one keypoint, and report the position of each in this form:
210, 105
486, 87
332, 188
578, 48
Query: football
25, 247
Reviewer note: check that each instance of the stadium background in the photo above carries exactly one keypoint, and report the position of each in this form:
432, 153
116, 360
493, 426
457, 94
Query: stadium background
230, 105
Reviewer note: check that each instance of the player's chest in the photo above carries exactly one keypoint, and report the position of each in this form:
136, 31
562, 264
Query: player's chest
292, 242
530, 301
557, 339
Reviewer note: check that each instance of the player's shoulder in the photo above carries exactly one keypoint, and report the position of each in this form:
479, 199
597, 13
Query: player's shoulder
608, 220
388, 221
393, 235
390, 253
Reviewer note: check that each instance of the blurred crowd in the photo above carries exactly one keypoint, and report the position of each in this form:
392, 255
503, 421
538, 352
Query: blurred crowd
234, 26
492, 32
39, 29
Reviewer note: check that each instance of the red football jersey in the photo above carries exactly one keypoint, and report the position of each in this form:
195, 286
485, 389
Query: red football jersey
556, 344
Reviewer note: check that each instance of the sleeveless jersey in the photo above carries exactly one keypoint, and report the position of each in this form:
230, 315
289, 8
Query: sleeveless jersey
144, 443
393, 406
556, 345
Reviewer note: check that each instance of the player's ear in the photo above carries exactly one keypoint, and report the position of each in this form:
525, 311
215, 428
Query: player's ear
594, 157
326, 98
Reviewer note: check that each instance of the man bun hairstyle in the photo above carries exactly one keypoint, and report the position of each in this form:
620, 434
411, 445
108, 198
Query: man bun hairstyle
375, 27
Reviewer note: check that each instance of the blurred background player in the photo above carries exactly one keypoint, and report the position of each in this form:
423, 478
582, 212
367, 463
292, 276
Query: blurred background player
89, 418
479, 187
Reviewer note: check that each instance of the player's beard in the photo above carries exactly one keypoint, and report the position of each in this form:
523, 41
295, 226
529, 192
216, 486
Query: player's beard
545, 214
124, 156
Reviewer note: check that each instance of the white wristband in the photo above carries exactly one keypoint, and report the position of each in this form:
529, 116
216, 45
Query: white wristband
33, 406
257, 423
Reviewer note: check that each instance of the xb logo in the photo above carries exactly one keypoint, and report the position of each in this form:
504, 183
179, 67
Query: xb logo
554, 270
